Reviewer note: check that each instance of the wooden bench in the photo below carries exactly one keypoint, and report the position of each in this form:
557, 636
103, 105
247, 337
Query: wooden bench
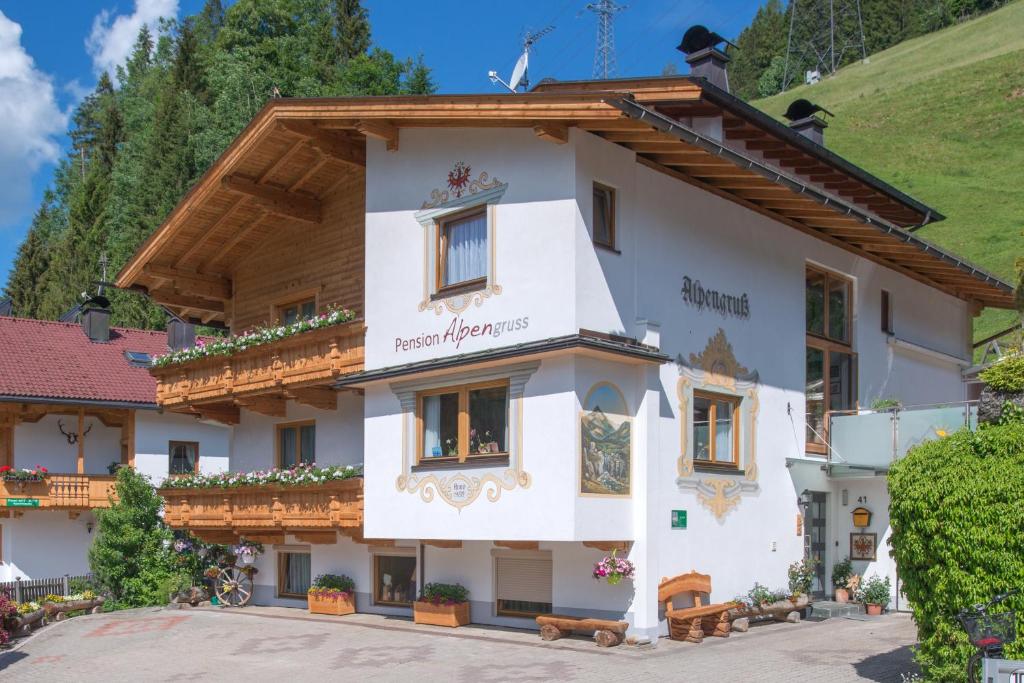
607, 633
693, 623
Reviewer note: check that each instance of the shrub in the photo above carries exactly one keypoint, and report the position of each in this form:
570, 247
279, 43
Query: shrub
1005, 375
445, 593
332, 586
841, 573
801, 576
876, 591
84, 584
131, 558
958, 536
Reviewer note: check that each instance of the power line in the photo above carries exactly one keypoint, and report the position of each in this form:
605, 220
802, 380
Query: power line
604, 53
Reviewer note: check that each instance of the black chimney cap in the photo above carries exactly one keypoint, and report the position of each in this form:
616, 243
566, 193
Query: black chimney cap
699, 37
801, 109
98, 301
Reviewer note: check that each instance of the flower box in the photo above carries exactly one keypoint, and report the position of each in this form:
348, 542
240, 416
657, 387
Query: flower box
338, 605
455, 614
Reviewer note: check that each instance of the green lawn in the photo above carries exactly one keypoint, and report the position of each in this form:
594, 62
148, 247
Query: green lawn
941, 117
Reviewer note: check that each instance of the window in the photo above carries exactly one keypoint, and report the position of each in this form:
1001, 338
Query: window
293, 574
716, 430
296, 444
604, 216
462, 250
184, 457
299, 310
394, 580
523, 584
887, 325
831, 365
463, 422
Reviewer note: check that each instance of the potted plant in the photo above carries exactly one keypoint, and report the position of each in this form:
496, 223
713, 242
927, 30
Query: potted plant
332, 594
841, 573
801, 578
23, 476
247, 551
442, 604
613, 569
875, 594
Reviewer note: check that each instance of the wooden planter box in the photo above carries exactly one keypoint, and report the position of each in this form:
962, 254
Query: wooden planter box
335, 606
770, 610
440, 615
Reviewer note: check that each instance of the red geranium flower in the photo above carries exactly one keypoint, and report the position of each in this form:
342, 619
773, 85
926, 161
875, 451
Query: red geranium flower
42, 469
6, 468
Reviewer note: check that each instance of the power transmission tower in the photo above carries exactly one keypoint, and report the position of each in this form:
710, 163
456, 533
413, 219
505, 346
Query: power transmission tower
604, 54
826, 31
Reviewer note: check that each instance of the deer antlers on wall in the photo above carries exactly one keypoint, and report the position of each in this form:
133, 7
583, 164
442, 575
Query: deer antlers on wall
73, 436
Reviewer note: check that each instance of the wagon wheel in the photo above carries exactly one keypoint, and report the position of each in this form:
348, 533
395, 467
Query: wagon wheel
234, 587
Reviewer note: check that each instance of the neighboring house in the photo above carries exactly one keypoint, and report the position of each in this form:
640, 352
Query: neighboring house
601, 314
76, 401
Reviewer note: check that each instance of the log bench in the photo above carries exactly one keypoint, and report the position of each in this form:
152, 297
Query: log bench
693, 623
607, 633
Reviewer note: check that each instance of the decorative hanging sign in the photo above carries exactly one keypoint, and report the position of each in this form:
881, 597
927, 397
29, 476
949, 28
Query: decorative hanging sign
696, 295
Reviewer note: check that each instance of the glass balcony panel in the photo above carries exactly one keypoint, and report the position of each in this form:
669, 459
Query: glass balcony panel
917, 425
862, 440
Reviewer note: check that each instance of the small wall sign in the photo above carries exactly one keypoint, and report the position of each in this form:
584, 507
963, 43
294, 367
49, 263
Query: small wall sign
22, 502
679, 519
694, 294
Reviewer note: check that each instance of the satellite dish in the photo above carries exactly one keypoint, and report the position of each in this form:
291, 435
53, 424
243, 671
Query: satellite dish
698, 38
519, 71
801, 109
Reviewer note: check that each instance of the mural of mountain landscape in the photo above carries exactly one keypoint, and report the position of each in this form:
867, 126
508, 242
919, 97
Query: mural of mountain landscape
605, 453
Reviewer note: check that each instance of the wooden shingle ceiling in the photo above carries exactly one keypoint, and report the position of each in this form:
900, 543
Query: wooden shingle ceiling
296, 151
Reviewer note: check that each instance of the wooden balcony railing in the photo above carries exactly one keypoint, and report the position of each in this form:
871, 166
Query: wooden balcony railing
306, 359
264, 512
59, 491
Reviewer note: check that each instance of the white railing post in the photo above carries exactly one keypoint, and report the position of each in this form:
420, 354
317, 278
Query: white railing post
17, 591
66, 585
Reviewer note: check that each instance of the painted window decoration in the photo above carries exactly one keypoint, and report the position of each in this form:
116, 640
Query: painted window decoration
831, 368
464, 422
523, 584
605, 443
463, 250
716, 429
394, 580
296, 444
604, 216
294, 312
293, 574
184, 457
863, 546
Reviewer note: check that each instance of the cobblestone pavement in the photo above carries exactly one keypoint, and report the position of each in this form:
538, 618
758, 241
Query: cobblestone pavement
284, 645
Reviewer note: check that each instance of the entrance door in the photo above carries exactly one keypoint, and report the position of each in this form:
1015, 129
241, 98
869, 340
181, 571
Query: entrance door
814, 538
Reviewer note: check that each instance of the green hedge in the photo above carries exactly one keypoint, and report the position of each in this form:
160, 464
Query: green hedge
1005, 375
957, 514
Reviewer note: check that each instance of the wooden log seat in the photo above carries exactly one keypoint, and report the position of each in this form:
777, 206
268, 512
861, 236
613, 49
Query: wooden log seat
607, 633
693, 623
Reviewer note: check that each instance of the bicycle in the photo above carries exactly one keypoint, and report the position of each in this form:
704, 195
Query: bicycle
989, 633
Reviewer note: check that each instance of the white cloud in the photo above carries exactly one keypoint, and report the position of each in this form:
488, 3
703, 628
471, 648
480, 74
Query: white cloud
112, 36
29, 121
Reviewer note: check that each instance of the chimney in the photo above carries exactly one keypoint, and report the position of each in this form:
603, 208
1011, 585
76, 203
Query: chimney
180, 334
705, 59
96, 319
802, 115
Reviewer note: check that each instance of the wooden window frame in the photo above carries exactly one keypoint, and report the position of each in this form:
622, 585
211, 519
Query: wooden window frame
829, 278
170, 457
827, 347
463, 437
736, 402
887, 314
281, 593
294, 299
440, 250
298, 440
376, 571
611, 218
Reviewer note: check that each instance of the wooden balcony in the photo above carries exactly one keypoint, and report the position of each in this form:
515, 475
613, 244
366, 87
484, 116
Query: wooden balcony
71, 492
263, 377
265, 513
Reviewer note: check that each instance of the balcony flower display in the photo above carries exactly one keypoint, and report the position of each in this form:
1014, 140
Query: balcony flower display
228, 346
8, 473
332, 594
246, 551
442, 604
300, 475
614, 569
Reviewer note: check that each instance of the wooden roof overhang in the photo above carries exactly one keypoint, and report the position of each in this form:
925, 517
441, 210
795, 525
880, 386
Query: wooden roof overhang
296, 151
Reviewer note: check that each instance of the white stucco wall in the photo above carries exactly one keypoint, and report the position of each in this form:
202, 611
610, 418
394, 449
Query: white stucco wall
41, 443
155, 430
45, 544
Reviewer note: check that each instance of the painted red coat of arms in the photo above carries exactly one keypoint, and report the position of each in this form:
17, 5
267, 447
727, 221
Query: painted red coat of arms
458, 178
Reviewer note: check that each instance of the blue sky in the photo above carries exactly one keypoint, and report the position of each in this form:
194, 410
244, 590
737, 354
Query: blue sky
51, 53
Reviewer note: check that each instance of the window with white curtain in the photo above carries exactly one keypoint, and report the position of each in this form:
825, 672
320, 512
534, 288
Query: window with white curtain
462, 250
293, 574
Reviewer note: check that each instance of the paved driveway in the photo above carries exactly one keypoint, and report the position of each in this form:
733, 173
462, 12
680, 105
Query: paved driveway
285, 646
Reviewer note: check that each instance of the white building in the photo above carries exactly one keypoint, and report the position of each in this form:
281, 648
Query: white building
73, 408
613, 314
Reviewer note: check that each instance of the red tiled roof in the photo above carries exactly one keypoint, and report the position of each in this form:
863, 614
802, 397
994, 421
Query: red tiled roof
45, 359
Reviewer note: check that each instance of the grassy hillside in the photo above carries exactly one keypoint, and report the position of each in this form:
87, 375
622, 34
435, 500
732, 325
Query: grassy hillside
941, 117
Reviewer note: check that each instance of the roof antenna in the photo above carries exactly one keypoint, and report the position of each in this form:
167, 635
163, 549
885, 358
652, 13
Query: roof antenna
520, 77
